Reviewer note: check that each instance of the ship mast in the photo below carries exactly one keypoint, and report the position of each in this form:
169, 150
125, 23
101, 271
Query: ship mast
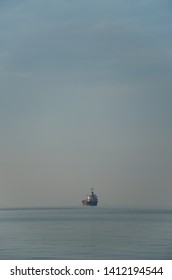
92, 191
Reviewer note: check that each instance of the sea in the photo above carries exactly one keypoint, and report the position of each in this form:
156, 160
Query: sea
85, 233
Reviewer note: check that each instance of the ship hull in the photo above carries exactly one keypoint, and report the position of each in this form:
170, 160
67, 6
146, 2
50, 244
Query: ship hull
89, 203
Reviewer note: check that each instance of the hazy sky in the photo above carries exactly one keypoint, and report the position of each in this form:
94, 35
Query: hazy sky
85, 101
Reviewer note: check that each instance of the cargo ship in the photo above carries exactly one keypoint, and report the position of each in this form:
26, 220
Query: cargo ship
91, 199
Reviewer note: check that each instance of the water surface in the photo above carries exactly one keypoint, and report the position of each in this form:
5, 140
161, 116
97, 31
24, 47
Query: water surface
85, 233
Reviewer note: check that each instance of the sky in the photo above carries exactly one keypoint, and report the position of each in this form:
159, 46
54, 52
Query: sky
85, 101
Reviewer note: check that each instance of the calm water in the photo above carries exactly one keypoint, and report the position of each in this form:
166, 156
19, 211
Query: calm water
85, 233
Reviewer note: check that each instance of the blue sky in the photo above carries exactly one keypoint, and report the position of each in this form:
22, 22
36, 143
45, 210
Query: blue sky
85, 101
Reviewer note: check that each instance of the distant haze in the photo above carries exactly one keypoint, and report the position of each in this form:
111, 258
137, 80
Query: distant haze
85, 101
